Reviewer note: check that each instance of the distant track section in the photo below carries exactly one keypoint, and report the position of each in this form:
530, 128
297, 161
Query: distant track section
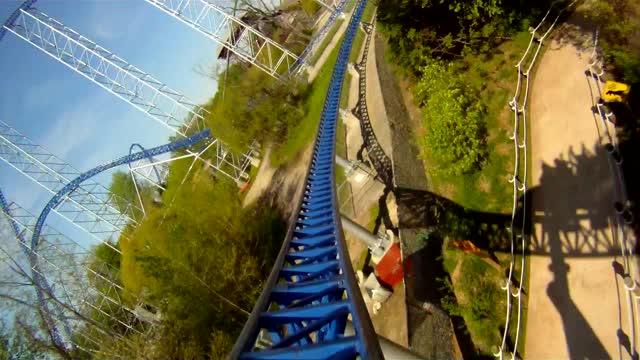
75, 183
312, 290
304, 57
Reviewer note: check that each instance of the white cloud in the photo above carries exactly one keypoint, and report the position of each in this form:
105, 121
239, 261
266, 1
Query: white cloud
74, 127
40, 94
105, 31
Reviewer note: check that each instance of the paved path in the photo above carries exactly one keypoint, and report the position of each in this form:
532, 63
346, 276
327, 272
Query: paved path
577, 303
326, 52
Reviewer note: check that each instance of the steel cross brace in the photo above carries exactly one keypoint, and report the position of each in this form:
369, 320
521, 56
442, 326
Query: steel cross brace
232, 33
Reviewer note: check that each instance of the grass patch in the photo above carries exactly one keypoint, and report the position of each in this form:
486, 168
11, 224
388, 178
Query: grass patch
310, 6
344, 96
367, 16
373, 215
327, 39
305, 131
350, 5
479, 299
495, 78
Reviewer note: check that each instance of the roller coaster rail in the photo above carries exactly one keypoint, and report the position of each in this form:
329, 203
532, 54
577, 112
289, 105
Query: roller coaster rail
311, 47
41, 287
381, 162
518, 237
302, 310
56, 264
32, 248
75, 183
595, 74
91, 207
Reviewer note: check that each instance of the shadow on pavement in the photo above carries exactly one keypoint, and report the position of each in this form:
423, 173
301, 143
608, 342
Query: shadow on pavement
574, 219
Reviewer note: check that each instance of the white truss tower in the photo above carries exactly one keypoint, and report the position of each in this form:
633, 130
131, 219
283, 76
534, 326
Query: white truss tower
65, 264
91, 207
233, 34
123, 80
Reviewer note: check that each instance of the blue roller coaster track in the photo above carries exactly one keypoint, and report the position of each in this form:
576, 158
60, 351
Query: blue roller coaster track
312, 290
43, 289
14, 16
73, 184
151, 160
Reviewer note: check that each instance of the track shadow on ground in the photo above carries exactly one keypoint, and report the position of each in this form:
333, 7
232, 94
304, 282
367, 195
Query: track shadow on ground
419, 210
573, 210
561, 206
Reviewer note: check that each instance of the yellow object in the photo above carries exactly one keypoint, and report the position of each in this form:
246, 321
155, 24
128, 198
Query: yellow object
615, 92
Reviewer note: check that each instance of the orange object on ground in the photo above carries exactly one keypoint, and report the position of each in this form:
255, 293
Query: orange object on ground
466, 246
245, 187
389, 269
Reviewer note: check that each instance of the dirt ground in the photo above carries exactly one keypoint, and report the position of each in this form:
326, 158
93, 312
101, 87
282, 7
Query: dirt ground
281, 187
577, 305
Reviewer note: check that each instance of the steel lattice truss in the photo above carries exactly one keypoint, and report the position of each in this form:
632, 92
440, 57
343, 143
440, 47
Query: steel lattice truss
233, 34
338, 11
123, 80
106, 69
312, 291
92, 207
66, 266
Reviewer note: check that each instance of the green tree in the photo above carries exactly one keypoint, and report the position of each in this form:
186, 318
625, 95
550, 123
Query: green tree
418, 30
251, 105
200, 261
456, 135
126, 198
619, 24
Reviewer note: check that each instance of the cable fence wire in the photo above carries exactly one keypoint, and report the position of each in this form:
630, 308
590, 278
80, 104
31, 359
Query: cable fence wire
519, 178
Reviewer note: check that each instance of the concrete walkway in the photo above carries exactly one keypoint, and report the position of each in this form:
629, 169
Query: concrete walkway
577, 306
326, 52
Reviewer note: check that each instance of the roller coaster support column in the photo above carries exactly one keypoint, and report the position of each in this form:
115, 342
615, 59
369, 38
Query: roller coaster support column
376, 243
390, 349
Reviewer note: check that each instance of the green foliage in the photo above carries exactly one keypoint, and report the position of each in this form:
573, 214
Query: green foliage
421, 29
453, 118
126, 199
188, 258
251, 105
619, 23
482, 305
304, 131
310, 6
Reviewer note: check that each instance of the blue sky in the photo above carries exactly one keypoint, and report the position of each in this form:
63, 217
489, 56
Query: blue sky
74, 118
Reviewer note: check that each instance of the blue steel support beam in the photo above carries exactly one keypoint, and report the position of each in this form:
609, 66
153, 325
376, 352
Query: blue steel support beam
312, 289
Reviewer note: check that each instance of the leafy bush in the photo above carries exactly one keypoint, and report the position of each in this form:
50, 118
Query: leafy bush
251, 105
421, 29
455, 138
619, 37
